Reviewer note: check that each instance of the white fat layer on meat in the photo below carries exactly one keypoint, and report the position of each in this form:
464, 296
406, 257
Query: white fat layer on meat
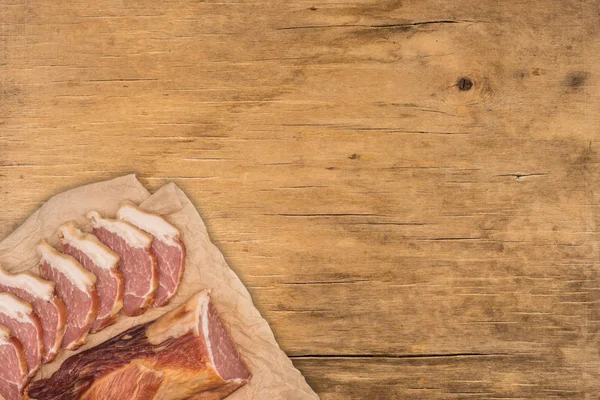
203, 307
15, 308
67, 266
182, 320
133, 236
88, 244
154, 224
35, 286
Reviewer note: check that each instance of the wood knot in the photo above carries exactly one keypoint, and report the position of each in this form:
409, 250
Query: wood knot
577, 80
464, 84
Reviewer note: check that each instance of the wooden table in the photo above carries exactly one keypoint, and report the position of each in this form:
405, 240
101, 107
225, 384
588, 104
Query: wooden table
407, 188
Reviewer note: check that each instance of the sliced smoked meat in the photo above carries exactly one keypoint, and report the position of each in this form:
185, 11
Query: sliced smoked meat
185, 354
76, 287
97, 258
13, 374
167, 247
49, 308
18, 316
137, 263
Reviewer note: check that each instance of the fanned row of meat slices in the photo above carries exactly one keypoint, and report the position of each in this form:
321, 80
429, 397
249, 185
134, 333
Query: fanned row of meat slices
125, 265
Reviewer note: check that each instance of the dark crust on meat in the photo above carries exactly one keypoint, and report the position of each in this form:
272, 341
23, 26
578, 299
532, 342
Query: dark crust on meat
170, 352
78, 372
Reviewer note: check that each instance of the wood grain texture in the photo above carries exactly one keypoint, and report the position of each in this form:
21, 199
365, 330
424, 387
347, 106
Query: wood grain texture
404, 238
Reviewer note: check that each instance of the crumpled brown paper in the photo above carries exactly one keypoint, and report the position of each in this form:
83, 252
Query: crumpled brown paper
274, 376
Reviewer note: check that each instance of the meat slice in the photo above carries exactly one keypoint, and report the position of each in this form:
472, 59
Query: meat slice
167, 247
102, 262
13, 374
136, 261
49, 308
76, 287
18, 316
185, 354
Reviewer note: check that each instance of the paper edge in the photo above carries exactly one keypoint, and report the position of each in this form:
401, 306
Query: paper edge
245, 294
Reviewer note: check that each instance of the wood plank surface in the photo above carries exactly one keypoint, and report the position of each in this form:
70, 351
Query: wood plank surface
407, 188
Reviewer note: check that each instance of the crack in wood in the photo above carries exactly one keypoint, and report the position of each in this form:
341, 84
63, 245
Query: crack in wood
389, 223
401, 356
121, 80
518, 176
326, 215
326, 282
379, 26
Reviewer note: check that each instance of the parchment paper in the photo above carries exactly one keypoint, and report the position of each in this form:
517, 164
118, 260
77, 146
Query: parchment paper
274, 376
